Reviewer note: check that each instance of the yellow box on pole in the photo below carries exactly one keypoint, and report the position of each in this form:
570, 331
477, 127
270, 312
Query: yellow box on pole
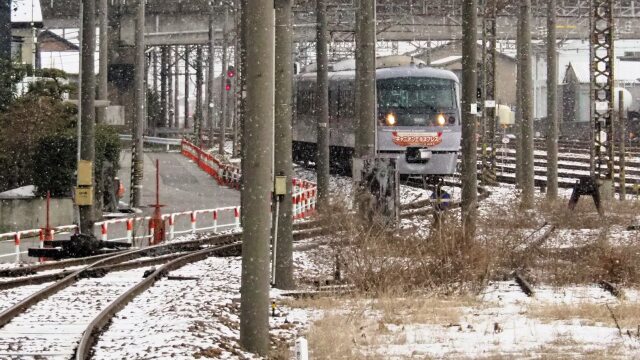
85, 173
84, 196
281, 185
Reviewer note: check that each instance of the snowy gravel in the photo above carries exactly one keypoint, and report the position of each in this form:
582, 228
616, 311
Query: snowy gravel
186, 319
52, 328
11, 297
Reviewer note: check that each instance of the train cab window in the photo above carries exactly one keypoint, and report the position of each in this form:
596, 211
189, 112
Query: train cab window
417, 95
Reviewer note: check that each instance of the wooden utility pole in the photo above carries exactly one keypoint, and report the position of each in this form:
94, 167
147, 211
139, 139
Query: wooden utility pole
223, 90
552, 103
187, 79
197, 125
469, 119
527, 108
254, 315
103, 89
87, 99
211, 81
138, 123
283, 161
322, 105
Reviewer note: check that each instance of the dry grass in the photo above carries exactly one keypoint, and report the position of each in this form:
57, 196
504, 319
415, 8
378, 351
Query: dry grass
352, 328
585, 216
420, 310
590, 314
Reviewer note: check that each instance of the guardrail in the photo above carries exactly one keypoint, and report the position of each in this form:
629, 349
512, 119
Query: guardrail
304, 192
304, 198
221, 219
154, 140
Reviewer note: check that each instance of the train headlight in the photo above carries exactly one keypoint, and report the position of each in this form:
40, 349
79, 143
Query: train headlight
391, 119
441, 120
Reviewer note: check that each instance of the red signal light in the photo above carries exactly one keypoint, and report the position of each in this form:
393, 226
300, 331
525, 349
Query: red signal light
231, 71
227, 86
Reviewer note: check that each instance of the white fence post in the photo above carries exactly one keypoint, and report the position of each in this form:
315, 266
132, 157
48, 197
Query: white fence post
16, 239
193, 222
302, 349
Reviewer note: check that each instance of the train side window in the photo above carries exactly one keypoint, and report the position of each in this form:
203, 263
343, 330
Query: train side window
306, 102
347, 103
334, 103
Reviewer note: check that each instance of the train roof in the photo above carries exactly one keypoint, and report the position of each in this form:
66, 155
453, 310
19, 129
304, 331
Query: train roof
389, 73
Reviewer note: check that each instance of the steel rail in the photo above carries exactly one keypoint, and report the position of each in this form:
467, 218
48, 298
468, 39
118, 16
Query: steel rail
7, 315
90, 334
307, 230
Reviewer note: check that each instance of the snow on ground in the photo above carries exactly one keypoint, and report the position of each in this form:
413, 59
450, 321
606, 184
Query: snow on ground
186, 319
52, 328
340, 187
9, 297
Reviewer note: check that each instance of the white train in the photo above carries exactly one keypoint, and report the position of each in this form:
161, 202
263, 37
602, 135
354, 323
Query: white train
418, 116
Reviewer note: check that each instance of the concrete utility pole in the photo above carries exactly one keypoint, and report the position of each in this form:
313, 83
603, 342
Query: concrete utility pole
242, 76
518, 121
366, 79
176, 88
170, 71
187, 79
138, 124
164, 77
211, 80
199, 82
87, 99
5, 53
283, 118
622, 118
322, 105
527, 108
469, 119
254, 315
489, 53
103, 73
236, 90
223, 91
552, 103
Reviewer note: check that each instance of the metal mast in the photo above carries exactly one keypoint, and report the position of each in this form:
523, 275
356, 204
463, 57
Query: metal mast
602, 87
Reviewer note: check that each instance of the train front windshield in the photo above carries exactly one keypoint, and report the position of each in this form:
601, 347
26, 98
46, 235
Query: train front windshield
417, 102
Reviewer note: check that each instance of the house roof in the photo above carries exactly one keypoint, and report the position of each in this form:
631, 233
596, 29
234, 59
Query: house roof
446, 61
50, 41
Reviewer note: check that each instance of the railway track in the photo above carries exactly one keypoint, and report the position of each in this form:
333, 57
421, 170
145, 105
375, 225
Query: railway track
48, 319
